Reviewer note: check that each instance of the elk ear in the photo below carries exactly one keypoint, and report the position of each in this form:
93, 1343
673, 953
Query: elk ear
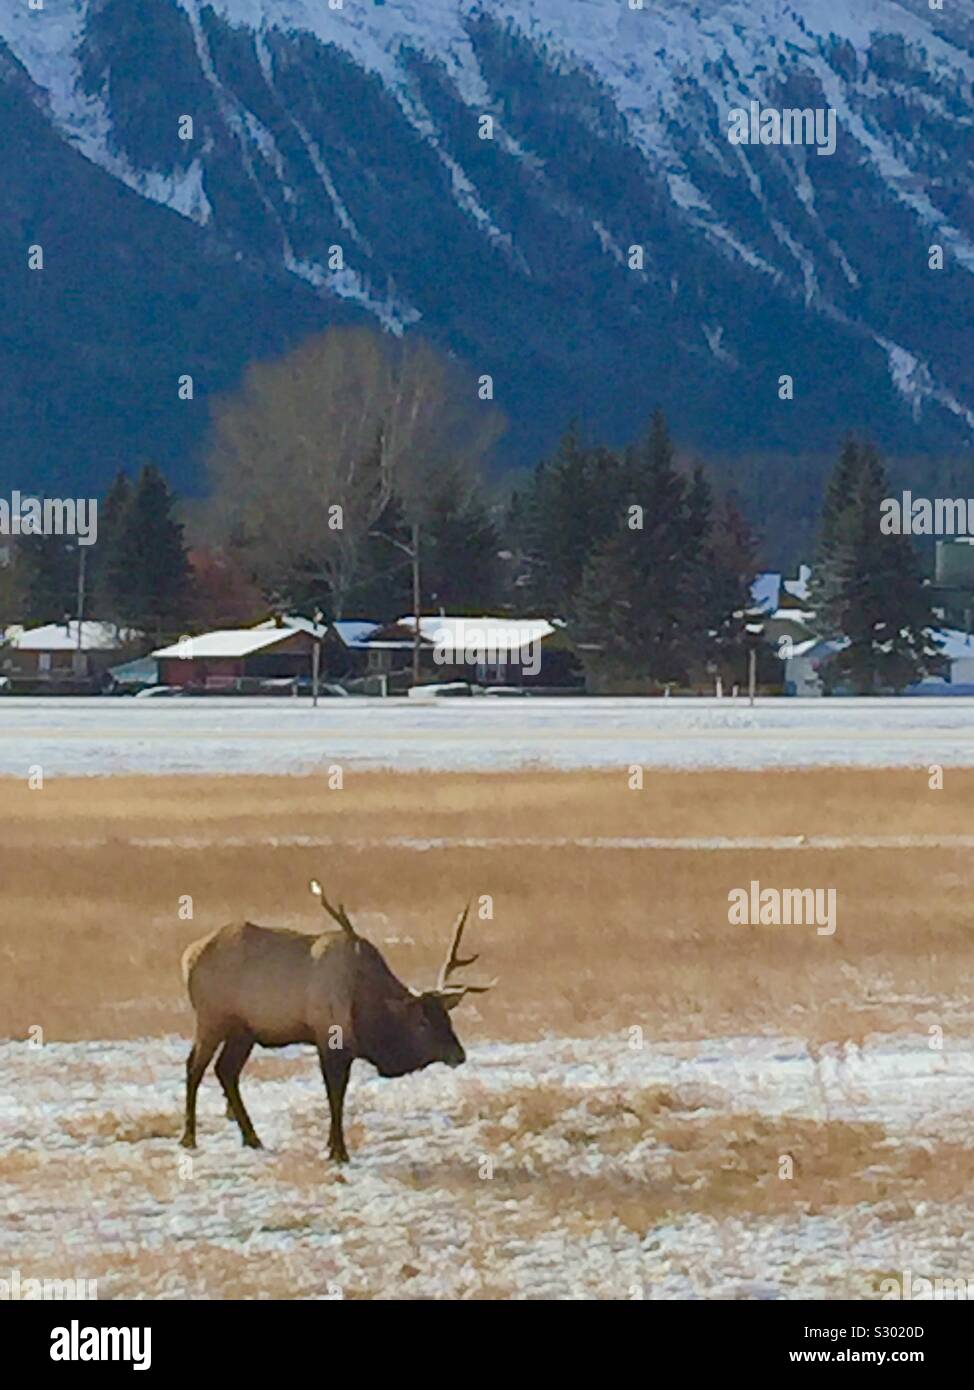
450, 998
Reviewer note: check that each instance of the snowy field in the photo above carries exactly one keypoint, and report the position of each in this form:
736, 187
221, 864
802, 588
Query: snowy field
70, 737
552, 1169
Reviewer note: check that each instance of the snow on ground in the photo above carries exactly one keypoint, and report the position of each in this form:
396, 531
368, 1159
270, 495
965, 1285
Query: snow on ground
90, 1183
70, 737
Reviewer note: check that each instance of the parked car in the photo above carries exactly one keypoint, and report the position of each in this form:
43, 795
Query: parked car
160, 692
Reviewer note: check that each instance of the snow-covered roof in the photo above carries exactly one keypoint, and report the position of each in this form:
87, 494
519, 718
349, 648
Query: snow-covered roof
226, 642
950, 643
355, 633
765, 591
789, 650
300, 624
63, 637
953, 644
475, 634
798, 588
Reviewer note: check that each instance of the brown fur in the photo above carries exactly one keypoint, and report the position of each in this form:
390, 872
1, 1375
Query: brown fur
274, 986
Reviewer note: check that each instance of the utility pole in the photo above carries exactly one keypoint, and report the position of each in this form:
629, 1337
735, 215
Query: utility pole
316, 658
417, 604
412, 553
81, 598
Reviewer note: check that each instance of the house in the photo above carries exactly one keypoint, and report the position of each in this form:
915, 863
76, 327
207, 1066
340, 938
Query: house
803, 663
237, 659
132, 676
782, 606
952, 590
63, 657
958, 650
485, 650
345, 649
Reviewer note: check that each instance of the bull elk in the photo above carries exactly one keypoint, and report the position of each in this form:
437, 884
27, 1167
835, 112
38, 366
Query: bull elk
275, 986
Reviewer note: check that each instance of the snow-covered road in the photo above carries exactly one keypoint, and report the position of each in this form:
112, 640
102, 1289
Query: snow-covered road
98, 736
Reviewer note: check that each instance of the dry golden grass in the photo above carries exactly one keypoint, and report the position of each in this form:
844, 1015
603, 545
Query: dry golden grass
717, 1164
585, 940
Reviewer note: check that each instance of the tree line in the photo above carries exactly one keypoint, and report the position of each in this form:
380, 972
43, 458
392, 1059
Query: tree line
360, 464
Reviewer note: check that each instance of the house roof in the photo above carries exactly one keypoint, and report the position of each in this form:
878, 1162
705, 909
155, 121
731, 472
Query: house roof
771, 591
476, 634
955, 645
798, 588
951, 643
63, 637
355, 632
294, 620
226, 642
765, 591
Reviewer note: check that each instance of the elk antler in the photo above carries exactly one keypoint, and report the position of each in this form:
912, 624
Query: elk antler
453, 962
339, 913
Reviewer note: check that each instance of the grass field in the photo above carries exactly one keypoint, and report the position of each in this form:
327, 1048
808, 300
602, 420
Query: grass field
97, 873
633, 1082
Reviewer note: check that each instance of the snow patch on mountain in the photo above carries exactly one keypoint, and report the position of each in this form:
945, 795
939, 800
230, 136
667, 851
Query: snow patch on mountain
673, 73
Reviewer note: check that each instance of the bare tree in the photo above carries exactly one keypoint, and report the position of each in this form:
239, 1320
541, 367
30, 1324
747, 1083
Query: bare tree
306, 457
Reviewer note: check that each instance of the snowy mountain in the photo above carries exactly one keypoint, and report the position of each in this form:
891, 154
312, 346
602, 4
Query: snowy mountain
212, 181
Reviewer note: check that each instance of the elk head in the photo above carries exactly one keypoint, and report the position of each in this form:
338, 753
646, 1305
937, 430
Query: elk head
408, 1028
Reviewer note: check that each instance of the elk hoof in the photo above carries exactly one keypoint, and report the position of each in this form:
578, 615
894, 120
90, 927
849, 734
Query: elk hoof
187, 1142
252, 1143
338, 1155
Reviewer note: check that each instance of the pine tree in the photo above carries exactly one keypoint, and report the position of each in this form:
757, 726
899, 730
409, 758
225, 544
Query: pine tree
48, 572
642, 612
731, 565
839, 491
108, 577
571, 505
150, 562
460, 566
872, 591
383, 587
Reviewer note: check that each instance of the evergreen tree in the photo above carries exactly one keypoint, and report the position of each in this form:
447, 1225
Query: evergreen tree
108, 578
460, 566
839, 491
871, 590
571, 505
12, 596
731, 565
149, 561
642, 611
48, 572
383, 587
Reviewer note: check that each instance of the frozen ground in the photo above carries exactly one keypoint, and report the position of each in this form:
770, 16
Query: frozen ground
537, 1170
81, 736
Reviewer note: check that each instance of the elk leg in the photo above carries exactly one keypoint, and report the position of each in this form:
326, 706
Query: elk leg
196, 1064
229, 1065
335, 1067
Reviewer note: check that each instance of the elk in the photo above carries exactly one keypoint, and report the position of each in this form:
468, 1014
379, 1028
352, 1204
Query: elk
274, 986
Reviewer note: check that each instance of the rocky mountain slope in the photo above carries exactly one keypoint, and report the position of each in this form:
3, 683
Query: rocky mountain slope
361, 128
